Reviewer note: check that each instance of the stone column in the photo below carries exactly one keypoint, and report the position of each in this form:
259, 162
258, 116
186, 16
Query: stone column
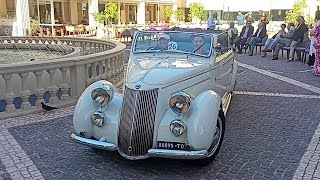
158, 13
23, 17
74, 12
141, 15
93, 7
119, 11
52, 16
174, 8
3, 7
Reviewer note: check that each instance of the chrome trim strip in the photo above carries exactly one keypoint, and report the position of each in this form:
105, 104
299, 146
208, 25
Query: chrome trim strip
94, 143
177, 154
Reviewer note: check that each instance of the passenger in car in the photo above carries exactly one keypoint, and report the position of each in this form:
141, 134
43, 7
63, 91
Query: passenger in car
197, 42
164, 40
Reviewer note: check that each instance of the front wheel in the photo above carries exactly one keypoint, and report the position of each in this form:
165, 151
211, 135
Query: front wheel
217, 140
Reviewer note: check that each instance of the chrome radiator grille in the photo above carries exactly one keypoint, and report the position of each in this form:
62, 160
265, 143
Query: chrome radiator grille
137, 119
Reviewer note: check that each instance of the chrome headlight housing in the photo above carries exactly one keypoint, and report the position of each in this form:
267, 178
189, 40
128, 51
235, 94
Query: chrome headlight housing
98, 119
102, 95
177, 127
180, 102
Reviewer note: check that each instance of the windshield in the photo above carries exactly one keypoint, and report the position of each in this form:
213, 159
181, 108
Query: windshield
181, 42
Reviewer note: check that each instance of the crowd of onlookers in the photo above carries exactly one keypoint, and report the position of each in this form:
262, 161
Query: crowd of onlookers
289, 36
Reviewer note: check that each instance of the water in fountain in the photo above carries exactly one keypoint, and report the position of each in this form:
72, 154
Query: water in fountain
16, 54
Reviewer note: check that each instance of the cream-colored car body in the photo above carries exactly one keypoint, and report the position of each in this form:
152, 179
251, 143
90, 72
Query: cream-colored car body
208, 80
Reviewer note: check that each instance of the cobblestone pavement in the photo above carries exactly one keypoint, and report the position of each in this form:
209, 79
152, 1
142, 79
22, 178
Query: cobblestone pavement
272, 132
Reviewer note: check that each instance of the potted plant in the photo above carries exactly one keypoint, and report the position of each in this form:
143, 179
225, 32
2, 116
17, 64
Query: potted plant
34, 26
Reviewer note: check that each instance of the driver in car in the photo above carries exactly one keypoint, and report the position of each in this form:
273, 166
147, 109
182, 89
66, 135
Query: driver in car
198, 42
164, 40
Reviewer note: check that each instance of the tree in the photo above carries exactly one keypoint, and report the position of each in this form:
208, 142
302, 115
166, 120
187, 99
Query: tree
310, 20
298, 10
99, 17
108, 15
179, 13
111, 12
196, 11
169, 13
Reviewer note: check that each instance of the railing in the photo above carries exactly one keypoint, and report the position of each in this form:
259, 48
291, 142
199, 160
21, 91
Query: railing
61, 81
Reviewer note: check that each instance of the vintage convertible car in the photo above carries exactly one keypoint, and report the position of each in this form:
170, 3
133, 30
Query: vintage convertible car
176, 91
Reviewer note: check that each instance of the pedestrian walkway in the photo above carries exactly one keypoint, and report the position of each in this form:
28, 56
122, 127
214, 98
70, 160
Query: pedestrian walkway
272, 132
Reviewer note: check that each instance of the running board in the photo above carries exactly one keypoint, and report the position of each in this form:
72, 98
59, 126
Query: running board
226, 99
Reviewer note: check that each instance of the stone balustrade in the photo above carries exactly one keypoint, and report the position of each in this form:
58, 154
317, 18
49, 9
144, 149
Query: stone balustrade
61, 81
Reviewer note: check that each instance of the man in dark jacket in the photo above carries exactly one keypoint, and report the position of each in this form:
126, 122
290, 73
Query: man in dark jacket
246, 33
257, 37
297, 37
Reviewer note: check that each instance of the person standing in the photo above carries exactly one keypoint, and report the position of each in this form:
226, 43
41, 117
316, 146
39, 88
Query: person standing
211, 22
240, 19
264, 17
249, 17
316, 44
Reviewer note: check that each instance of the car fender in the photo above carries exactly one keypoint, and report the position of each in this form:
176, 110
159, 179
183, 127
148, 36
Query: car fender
86, 107
201, 123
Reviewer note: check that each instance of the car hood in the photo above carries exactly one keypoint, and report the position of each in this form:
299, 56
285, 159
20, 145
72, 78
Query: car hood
163, 70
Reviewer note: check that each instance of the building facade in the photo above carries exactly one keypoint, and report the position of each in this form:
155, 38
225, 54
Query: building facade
228, 9
74, 12
141, 12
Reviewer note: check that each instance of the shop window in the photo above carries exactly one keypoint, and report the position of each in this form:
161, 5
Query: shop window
57, 10
101, 7
133, 13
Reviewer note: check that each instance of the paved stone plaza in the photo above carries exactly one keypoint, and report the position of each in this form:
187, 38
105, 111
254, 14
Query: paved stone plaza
272, 132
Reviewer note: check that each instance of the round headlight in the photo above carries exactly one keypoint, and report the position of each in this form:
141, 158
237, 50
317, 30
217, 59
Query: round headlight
102, 95
180, 102
177, 127
98, 119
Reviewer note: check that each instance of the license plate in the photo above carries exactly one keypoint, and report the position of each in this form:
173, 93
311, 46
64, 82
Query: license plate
171, 145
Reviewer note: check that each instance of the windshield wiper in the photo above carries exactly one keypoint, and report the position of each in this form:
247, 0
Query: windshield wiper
161, 49
193, 51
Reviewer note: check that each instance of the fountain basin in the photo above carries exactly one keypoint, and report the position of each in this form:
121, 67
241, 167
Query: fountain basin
19, 53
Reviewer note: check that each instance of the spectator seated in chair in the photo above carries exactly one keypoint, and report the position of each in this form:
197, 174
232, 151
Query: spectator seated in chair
232, 34
257, 37
245, 34
283, 41
273, 41
298, 36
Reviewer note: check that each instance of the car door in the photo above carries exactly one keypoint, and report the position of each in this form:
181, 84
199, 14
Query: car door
223, 66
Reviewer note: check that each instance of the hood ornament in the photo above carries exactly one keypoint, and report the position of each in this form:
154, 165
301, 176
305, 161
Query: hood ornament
138, 86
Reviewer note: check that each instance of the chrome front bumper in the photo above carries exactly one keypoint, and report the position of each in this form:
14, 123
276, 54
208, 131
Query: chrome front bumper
94, 143
158, 153
177, 154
